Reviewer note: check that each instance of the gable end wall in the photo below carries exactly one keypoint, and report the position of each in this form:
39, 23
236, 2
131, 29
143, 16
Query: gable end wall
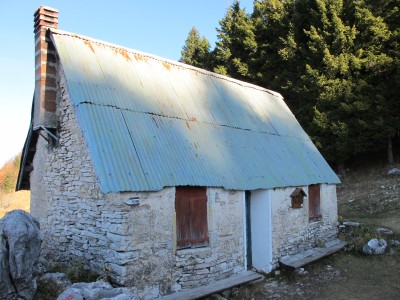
132, 245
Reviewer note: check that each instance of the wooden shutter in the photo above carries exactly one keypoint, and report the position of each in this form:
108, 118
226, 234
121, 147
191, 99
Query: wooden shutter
314, 201
191, 217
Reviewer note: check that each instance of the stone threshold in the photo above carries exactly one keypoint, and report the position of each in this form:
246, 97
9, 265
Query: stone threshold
303, 258
218, 286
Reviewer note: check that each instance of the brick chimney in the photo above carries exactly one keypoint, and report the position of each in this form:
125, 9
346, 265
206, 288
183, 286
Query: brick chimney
45, 68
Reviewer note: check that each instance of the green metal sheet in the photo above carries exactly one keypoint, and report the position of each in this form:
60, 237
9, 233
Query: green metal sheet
151, 123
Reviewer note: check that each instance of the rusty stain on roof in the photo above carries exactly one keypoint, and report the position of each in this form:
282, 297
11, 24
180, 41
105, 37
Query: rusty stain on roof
166, 65
89, 44
124, 53
162, 123
139, 57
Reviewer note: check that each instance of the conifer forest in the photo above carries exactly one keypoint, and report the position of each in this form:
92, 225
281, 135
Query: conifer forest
335, 62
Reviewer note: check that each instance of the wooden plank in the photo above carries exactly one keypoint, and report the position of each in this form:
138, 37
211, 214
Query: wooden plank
309, 256
298, 261
336, 247
333, 243
294, 258
221, 285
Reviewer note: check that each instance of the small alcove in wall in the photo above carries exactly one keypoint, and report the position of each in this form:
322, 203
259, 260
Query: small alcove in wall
298, 198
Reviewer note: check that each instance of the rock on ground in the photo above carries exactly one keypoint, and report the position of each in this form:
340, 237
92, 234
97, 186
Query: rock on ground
98, 290
395, 243
20, 241
301, 272
351, 224
375, 246
394, 171
385, 231
71, 294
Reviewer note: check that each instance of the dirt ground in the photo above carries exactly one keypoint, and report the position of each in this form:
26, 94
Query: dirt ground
340, 276
371, 197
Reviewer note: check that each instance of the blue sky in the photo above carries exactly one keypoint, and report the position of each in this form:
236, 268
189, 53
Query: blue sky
157, 27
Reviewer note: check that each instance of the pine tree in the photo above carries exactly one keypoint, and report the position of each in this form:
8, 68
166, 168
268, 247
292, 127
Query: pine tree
328, 78
236, 44
381, 21
276, 62
346, 72
196, 51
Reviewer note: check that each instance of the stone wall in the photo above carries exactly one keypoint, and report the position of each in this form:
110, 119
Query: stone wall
292, 231
134, 245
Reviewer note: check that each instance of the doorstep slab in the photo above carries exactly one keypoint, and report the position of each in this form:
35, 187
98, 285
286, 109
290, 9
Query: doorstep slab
218, 286
303, 258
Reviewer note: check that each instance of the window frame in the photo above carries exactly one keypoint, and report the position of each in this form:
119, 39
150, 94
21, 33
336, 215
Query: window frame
191, 217
314, 202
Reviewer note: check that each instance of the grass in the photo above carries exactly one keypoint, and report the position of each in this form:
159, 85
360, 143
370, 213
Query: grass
390, 221
366, 277
371, 197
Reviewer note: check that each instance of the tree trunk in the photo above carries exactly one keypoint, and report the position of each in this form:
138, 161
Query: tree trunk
390, 152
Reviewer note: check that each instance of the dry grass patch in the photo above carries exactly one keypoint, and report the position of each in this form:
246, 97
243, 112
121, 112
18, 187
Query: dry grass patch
12, 201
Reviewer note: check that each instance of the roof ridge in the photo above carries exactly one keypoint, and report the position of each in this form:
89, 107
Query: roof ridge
166, 60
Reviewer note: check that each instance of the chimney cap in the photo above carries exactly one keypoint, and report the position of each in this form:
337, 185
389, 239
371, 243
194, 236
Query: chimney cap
43, 8
45, 17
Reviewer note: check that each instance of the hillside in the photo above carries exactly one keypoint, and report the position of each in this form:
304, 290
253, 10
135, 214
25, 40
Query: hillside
371, 195
9, 174
9, 199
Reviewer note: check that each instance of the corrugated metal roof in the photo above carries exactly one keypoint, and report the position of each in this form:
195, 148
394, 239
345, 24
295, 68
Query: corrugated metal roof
150, 122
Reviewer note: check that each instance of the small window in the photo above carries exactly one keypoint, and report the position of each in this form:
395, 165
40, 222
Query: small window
298, 198
314, 202
191, 217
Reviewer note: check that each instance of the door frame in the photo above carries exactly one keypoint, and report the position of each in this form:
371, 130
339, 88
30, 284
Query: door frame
248, 251
258, 225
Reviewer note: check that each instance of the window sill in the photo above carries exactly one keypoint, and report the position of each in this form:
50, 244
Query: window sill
296, 207
315, 220
193, 250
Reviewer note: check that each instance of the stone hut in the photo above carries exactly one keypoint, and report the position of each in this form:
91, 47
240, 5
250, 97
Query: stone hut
163, 175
